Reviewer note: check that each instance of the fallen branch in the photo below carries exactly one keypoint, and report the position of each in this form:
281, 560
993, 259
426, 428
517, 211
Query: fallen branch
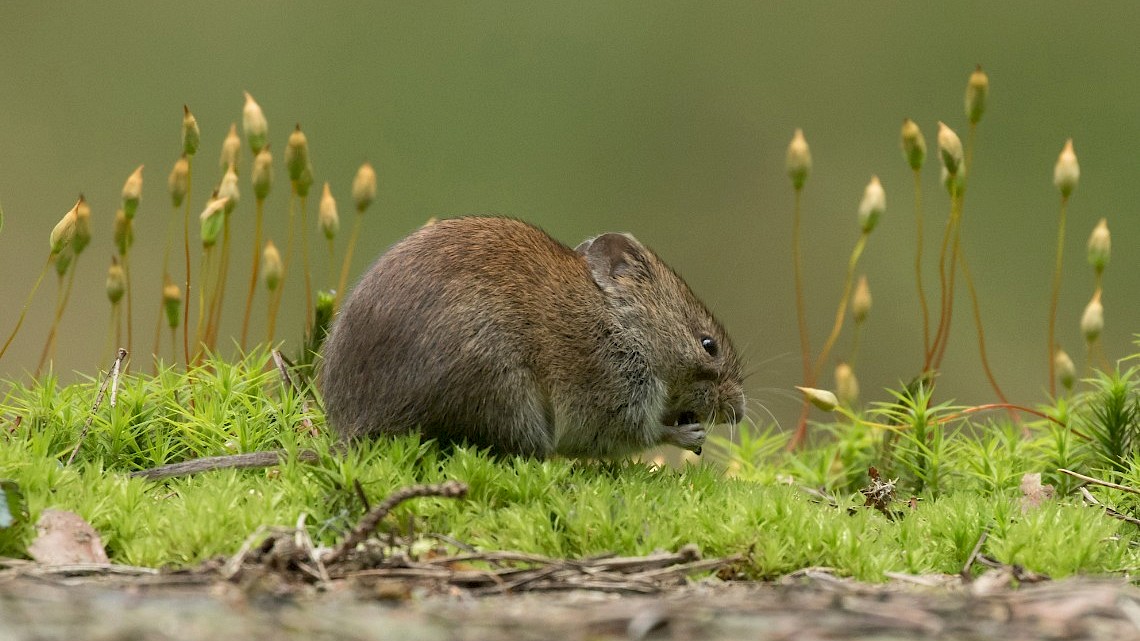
20, 567
228, 461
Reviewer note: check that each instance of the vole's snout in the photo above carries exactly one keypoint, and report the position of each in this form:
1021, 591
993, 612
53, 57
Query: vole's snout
732, 406
736, 407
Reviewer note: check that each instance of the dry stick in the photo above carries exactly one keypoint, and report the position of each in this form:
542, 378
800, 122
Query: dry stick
27, 303
974, 555
982, 344
254, 271
224, 462
283, 366
1056, 293
74, 569
1107, 510
343, 282
283, 370
361, 496
186, 250
801, 320
114, 373
1095, 481
304, 542
449, 489
918, 260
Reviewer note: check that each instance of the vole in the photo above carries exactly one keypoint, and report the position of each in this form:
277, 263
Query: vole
488, 331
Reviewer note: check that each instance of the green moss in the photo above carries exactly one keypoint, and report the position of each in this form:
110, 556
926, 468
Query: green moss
748, 498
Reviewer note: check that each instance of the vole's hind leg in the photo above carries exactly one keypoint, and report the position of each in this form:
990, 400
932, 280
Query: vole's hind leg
524, 420
689, 436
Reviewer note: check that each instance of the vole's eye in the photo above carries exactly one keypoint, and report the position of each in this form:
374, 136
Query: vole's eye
709, 343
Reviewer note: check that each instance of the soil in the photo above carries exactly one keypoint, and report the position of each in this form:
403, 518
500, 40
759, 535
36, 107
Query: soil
806, 605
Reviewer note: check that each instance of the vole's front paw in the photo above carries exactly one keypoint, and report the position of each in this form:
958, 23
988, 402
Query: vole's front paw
688, 436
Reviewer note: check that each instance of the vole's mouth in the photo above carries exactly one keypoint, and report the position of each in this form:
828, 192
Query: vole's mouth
684, 430
686, 418
676, 418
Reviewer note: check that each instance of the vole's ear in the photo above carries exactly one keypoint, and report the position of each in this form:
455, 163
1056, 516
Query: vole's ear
613, 256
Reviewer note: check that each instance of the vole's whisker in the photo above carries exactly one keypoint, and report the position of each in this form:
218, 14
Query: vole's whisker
781, 392
768, 412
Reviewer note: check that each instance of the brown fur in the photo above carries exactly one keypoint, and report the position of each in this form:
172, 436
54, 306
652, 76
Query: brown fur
489, 331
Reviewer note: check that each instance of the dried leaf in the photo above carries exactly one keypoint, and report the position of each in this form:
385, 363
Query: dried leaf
64, 538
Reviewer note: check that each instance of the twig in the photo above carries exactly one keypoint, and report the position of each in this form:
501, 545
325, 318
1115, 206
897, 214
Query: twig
283, 370
822, 496
283, 365
974, 555
495, 557
530, 578
115, 376
305, 542
443, 537
233, 565
687, 554
1107, 510
225, 462
359, 489
450, 489
1094, 481
688, 568
114, 373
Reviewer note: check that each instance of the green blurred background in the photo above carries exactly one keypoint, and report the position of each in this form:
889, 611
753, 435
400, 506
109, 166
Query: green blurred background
666, 119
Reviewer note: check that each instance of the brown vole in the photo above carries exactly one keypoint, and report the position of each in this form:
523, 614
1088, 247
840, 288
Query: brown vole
489, 331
